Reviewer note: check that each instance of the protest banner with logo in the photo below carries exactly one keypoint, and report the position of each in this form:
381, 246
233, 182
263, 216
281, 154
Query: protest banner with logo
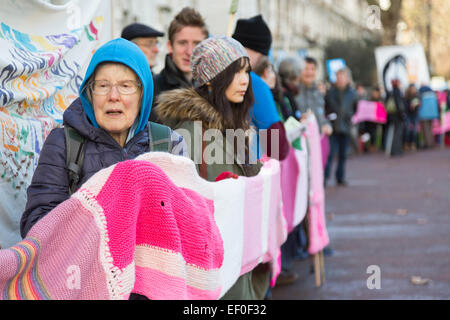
405, 63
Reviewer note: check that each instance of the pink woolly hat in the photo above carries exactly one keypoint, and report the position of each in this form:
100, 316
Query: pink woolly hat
214, 55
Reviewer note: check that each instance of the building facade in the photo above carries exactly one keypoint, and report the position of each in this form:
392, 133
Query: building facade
298, 26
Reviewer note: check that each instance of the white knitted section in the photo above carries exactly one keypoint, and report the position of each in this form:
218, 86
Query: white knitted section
229, 216
181, 171
119, 282
266, 206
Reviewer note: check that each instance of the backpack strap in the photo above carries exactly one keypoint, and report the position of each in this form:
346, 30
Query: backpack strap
159, 137
74, 156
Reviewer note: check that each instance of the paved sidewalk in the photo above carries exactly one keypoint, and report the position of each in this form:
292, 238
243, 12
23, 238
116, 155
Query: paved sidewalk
396, 215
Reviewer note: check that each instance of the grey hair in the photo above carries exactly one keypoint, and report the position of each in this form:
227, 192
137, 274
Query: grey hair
348, 72
290, 68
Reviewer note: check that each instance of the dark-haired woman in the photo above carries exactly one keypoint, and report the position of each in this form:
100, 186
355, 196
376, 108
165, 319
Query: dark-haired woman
221, 102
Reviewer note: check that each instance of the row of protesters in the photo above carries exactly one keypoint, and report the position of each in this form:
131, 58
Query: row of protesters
408, 114
297, 94
186, 31
110, 123
371, 128
111, 117
221, 101
286, 108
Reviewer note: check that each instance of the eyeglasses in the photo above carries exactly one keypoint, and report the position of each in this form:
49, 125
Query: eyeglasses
103, 87
149, 44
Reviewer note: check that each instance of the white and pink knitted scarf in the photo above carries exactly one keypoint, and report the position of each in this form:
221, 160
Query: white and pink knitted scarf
150, 226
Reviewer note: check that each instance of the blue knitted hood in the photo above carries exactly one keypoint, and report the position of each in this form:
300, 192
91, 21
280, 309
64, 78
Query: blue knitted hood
129, 54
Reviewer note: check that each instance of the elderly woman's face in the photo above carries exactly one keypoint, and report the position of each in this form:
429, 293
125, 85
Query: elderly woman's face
116, 110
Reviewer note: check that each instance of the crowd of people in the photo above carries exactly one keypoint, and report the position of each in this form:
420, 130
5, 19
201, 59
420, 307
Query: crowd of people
222, 83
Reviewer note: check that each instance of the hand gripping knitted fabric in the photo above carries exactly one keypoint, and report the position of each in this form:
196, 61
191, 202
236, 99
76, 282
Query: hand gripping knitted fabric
150, 226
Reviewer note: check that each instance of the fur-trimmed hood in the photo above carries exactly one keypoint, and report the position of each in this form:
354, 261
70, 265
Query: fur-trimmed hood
180, 105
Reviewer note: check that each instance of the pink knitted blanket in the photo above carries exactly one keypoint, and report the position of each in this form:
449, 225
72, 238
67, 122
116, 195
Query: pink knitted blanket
150, 226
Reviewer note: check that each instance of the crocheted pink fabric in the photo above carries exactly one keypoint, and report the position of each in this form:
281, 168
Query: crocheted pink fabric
150, 226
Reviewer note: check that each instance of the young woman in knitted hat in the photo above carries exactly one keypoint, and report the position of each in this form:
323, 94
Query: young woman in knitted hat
213, 119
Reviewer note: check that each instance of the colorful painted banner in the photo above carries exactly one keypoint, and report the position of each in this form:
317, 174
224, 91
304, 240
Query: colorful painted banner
44, 50
370, 111
130, 228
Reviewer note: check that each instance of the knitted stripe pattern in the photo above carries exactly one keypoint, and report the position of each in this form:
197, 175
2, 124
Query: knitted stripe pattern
27, 283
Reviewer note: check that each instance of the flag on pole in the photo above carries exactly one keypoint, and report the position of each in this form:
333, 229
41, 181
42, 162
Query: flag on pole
233, 9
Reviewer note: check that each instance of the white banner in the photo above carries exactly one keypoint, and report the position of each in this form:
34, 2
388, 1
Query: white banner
44, 53
406, 63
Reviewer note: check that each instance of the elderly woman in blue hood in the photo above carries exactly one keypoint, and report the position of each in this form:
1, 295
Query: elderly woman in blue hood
111, 116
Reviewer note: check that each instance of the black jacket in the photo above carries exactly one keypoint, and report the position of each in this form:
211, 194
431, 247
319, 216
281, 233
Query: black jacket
168, 79
343, 104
